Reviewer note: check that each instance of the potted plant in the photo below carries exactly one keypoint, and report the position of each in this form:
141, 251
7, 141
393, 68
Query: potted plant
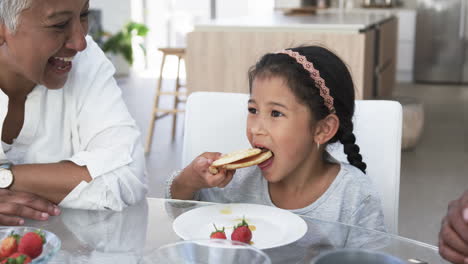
118, 46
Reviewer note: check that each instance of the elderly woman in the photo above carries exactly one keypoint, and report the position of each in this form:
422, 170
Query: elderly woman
67, 136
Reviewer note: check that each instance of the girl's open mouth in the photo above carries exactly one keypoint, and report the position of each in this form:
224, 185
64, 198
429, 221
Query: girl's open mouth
267, 163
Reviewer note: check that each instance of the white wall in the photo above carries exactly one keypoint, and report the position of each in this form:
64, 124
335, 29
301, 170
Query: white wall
115, 13
229, 8
169, 21
259, 7
240, 8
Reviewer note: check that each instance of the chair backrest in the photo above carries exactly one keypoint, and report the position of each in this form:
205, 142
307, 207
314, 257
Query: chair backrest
217, 122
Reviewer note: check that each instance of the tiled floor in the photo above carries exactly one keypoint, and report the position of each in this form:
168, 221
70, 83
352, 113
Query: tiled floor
432, 174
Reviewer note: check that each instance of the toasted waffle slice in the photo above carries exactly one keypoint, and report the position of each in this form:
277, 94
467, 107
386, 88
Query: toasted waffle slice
240, 159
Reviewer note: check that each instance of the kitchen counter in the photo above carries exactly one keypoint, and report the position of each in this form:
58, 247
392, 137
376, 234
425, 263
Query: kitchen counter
330, 20
219, 53
378, 11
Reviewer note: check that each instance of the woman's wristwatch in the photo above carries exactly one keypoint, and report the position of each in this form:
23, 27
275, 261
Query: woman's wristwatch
6, 176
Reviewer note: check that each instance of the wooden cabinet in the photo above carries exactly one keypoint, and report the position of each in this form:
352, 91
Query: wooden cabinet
386, 48
405, 38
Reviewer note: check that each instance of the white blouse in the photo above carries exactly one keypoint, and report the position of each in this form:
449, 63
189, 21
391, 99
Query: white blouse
88, 123
6, 147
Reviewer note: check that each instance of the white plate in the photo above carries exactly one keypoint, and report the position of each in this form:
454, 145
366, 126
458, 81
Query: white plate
273, 227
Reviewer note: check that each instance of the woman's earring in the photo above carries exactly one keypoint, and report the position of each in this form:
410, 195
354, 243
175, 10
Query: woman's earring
318, 146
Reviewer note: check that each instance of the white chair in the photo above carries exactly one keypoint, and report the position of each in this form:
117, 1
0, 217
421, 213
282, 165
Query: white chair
217, 122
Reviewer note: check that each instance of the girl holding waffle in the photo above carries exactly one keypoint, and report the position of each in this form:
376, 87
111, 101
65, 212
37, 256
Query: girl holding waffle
301, 100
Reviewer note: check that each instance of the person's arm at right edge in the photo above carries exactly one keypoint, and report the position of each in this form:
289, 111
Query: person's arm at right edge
196, 176
453, 236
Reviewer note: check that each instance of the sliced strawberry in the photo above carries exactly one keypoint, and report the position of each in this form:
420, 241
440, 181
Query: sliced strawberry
218, 233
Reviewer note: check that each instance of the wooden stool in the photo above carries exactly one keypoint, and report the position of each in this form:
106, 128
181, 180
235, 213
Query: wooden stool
180, 53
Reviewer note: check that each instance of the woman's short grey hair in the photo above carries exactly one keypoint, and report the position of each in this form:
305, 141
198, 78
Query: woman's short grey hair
10, 10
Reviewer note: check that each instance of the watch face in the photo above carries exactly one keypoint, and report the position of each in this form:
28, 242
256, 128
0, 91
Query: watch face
6, 178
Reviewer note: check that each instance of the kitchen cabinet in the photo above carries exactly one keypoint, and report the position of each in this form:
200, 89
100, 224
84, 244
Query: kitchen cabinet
386, 58
406, 37
220, 53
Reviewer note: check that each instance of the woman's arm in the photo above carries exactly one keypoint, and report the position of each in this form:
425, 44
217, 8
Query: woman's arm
52, 181
108, 174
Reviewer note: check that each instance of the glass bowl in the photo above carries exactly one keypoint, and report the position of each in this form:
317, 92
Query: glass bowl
356, 256
210, 251
50, 248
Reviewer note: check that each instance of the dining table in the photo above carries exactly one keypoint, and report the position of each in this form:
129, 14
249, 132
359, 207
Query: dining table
135, 234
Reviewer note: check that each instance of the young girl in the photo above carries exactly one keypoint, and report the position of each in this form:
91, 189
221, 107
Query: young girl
301, 99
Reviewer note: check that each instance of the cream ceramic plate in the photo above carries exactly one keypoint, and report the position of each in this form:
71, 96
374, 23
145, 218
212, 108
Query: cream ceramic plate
272, 227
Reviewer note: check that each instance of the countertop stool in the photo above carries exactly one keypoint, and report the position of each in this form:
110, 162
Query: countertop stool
179, 96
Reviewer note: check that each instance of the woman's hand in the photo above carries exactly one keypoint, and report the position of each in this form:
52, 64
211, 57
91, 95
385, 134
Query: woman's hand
15, 206
453, 236
197, 176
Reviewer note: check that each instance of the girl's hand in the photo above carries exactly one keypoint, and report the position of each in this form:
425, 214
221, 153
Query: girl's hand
197, 176
453, 236
206, 179
201, 177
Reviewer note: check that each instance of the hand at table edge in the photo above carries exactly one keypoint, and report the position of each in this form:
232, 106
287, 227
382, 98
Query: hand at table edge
15, 206
453, 235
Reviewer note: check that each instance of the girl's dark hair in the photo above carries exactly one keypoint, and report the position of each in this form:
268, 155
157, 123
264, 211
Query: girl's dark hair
337, 78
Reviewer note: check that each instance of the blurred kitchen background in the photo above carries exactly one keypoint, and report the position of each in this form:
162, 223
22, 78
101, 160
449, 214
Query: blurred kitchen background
415, 54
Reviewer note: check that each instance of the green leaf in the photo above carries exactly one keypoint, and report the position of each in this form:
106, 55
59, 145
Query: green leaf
121, 42
127, 53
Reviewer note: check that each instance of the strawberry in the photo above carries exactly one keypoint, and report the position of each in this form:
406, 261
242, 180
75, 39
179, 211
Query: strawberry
242, 232
219, 234
31, 244
9, 245
17, 258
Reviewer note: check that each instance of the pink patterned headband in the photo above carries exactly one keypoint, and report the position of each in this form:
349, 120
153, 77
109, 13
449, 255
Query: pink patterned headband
315, 75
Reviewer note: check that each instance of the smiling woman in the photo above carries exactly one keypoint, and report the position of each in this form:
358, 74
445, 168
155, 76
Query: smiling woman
67, 136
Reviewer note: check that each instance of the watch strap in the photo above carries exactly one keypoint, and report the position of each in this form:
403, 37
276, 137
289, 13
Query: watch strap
6, 165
